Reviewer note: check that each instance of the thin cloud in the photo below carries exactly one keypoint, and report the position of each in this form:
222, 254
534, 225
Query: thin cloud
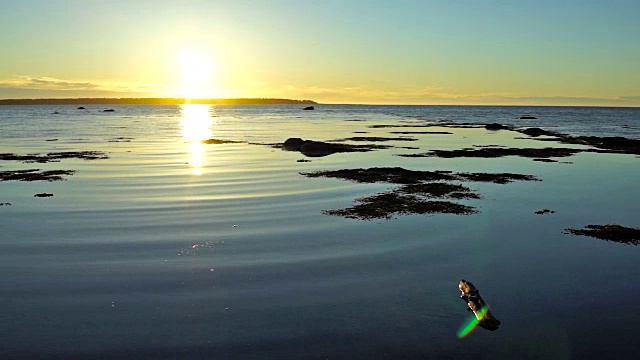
47, 83
60, 85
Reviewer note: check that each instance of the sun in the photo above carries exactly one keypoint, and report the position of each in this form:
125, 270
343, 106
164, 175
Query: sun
196, 73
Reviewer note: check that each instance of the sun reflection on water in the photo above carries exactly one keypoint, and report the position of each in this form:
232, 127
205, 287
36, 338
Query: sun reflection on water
196, 126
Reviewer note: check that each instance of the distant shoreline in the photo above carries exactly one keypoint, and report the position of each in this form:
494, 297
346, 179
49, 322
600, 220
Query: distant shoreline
153, 101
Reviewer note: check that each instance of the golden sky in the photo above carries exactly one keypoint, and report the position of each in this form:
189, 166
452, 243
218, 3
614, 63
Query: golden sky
373, 52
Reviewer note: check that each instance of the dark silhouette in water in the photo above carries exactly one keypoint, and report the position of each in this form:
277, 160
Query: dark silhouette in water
475, 303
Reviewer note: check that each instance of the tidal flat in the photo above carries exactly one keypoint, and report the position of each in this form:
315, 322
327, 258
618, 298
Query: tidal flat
198, 235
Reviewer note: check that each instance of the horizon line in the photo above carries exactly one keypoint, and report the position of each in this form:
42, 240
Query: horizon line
237, 101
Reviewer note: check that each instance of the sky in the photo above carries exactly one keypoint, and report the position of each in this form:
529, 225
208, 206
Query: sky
562, 52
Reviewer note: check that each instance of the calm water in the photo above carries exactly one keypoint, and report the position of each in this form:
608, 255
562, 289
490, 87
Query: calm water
174, 249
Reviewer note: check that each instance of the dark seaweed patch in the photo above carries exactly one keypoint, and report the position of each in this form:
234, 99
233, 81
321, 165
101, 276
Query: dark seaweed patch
615, 233
121, 139
496, 178
376, 139
386, 205
34, 175
415, 197
384, 126
545, 211
220, 141
398, 175
394, 175
439, 189
496, 152
54, 156
422, 132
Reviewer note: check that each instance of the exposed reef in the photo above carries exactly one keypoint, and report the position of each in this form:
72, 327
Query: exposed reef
34, 175
496, 152
615, 233
616, 144
54, 156
611, 144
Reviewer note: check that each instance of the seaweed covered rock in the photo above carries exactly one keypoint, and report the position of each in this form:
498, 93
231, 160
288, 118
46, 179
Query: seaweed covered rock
537, 132
495, 127
314, 148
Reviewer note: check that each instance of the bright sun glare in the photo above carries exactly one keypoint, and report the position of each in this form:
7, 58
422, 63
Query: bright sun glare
196, 126
196, 73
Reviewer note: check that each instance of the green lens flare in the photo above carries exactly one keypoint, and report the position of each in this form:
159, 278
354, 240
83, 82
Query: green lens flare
471, 324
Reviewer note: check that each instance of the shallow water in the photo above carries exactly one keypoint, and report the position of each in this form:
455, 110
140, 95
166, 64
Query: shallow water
176, 249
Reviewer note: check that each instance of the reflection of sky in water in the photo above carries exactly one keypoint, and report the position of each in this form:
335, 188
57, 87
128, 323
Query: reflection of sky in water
196, 126
119, 224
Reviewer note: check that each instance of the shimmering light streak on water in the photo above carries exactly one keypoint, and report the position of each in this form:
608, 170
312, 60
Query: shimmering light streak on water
196, 126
